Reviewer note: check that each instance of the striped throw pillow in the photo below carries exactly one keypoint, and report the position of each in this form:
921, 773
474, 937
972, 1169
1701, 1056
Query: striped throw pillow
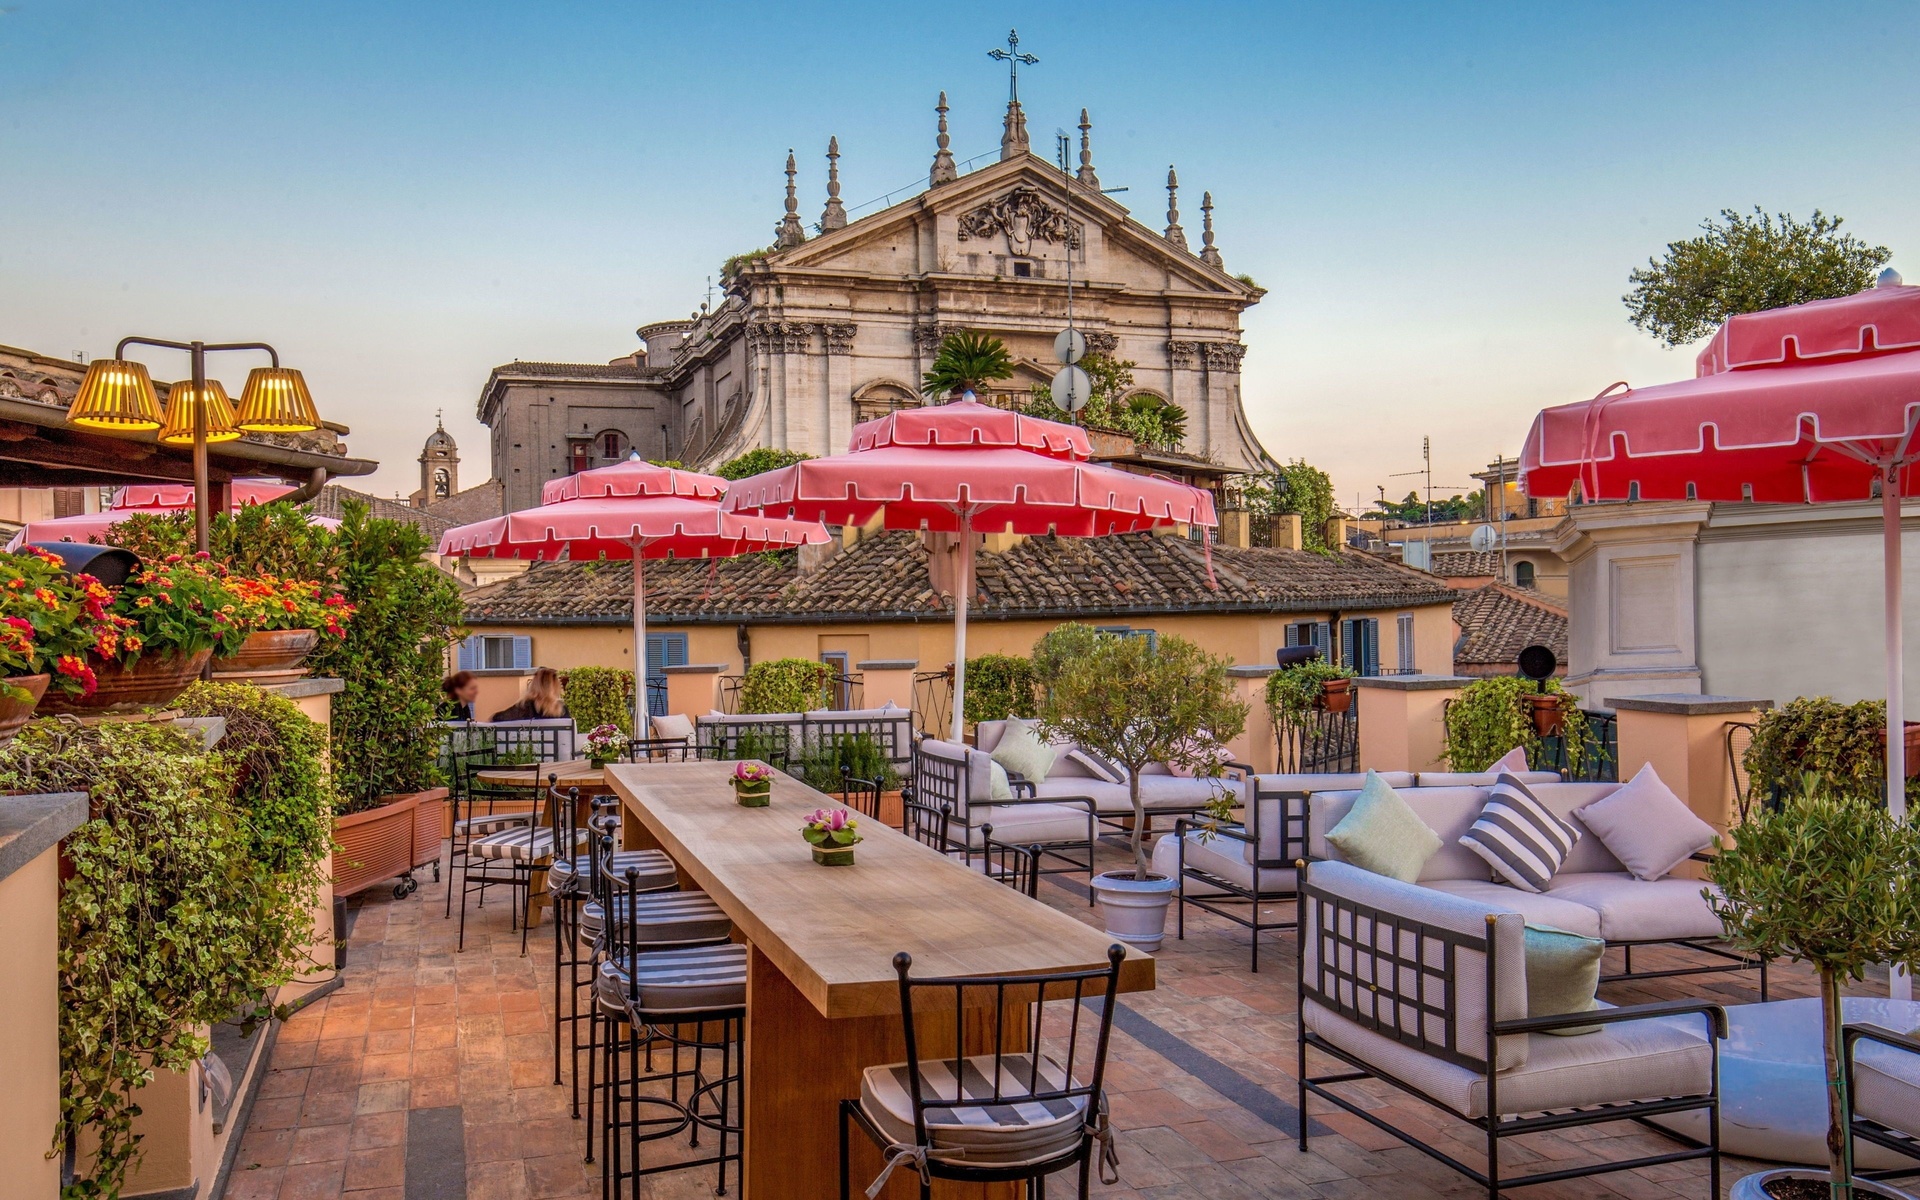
1519, 838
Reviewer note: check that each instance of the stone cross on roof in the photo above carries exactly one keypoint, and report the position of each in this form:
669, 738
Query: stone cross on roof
1013, 137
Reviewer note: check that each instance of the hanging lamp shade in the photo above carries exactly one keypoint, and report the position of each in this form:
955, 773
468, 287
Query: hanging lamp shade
181, 402
275, 400
116, 394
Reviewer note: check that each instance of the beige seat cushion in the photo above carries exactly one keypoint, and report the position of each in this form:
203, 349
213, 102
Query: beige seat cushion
1639, 910
1886, 1086
1538, 908
971, 1120
1222, 858
1024, 824
1634, 1060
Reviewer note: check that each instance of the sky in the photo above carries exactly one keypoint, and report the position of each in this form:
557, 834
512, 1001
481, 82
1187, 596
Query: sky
1442, 200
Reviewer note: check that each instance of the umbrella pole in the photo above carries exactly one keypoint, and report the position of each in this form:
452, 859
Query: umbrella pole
962, 593
640, 727
1900, 984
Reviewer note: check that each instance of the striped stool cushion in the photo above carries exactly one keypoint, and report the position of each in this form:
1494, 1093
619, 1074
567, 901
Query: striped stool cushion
570, 877
481, 823
664, 918
522, 843
678, 981
978, 1129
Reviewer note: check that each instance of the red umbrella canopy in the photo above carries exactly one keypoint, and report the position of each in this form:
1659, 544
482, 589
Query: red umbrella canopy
661, 526
1813, 402
633, 478
931, 467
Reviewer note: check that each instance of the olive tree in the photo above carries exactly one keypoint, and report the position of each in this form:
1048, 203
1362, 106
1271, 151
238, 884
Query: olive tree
1137, 700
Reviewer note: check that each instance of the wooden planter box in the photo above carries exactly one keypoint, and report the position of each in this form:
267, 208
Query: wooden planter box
386, 842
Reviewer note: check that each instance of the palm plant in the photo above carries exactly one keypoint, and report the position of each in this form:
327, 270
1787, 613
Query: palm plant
1155, 421
966, 362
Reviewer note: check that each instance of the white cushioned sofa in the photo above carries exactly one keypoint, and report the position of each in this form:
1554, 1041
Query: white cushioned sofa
1883, 1078
959, 779
1592, 894
1162, 793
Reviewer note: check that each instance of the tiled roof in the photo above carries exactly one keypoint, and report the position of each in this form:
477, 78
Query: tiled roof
1466, 564
886, 578
1497, 622
544, 370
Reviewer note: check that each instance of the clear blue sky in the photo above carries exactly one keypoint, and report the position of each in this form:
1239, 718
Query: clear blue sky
1443, 200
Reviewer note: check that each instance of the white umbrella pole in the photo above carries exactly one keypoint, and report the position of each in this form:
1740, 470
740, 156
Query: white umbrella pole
640, 727
962, 593
1900, 983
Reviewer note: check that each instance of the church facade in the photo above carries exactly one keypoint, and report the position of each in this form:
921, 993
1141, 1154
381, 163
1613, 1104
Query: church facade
835, 324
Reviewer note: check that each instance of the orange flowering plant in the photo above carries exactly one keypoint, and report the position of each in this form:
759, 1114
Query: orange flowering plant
181, 604
50, 620
270, 602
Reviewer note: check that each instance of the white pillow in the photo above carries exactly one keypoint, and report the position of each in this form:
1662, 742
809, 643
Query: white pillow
1513, 762
673, 725
1644, 825
1023, 751
999, 787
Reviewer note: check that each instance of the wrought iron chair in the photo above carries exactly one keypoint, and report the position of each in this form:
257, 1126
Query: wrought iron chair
1886, 1101
1016, 866
861, 795
1236, 871
925, 823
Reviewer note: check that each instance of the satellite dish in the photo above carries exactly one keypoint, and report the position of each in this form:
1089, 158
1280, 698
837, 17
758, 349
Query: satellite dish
1071, 388
1070, 347
1485, 538
1538, 663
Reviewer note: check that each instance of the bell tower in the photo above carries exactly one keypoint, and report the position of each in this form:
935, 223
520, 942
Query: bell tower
439, 466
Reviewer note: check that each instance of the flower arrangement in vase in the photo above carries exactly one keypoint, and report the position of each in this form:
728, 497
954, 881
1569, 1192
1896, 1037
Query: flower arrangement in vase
605, 744
832, 836
753, 784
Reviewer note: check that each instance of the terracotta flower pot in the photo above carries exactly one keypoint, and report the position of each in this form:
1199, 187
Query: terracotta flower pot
267, 652
155, 679
16, 713
1336, 695
1912, 741
1549, 713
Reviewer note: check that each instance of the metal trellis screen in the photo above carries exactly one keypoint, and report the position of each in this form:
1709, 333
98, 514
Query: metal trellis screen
1319, 742
932, 702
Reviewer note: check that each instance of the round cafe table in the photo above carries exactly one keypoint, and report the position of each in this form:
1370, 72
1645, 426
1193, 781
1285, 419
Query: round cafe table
1773, 1103
577, 772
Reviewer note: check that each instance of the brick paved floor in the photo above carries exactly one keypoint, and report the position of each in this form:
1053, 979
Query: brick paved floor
437, 1052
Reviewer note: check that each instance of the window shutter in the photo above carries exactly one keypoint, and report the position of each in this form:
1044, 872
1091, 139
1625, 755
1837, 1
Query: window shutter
1408, 662
469, 657
676, 644
1346, 643
523, 654
1323, 639
1370, 644
1293, 635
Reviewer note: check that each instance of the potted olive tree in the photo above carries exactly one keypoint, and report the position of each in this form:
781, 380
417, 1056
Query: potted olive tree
1139, 702
1835, 883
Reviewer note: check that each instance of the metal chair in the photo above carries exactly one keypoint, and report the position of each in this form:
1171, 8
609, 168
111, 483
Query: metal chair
1029, 1108
925, 823
1016, 866
861, 795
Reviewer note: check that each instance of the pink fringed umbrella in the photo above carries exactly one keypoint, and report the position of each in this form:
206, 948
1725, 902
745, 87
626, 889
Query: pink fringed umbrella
146, 498
1806, 404
968, 468
632, 510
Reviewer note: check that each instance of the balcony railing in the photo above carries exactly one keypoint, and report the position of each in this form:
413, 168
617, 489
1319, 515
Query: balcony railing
1600, 763
843, 692
1319, 742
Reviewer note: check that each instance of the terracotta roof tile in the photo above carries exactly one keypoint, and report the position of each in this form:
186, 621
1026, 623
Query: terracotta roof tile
887, 578
1497, 622
1466, 564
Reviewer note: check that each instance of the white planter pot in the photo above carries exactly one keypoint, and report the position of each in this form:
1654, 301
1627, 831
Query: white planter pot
1754, 1186
1135, 909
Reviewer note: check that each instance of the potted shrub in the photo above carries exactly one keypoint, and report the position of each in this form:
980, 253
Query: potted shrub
752, 784
1137, 702
832, 835
285, 620
385, 746
1844, 744
49, 620
604, 744
600, 696
169, 618
1293, 692
1493, 715
1549, 713
1828, 880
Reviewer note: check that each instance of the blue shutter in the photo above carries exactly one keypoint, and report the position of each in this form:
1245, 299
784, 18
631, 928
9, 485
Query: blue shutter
523, 654
1293, 634
663, 650
1370, 643
469, 656
1346, 643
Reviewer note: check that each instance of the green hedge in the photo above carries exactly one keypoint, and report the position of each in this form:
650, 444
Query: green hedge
999, 686
600, 696
784, 685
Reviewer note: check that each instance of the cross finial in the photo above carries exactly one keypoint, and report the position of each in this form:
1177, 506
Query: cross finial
835, 217
1014, 60
1174, 233
1209, 253
1086, 173
789, 231
1013, 133
439, 418
943, 169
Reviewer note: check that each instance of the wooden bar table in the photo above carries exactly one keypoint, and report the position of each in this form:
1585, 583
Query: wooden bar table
823, 999
573, 773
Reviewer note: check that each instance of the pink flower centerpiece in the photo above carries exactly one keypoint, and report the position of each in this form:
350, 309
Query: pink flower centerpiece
753, 784
832, 834
605, 744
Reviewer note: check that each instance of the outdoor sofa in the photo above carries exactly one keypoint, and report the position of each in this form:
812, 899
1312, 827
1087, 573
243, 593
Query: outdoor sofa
1428, 992
1162, 793
1883, 1078
957, 777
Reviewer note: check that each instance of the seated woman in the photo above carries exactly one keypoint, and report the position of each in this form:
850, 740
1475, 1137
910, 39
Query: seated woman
459, 690
541, 699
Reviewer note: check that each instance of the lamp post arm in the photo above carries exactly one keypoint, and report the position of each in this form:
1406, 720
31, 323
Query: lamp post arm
271, 352
120, 350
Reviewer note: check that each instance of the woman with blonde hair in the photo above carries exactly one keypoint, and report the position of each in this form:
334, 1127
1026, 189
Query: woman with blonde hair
543, 698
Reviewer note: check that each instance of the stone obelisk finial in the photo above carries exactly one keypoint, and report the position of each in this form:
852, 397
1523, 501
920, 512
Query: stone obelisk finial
1174, 233
835, 217
1209, 253
789, 231
1086, 173
943, 169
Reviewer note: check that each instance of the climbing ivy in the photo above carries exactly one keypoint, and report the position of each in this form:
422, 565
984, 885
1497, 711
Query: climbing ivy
1491, 716
600, 696
785, 685
999, 686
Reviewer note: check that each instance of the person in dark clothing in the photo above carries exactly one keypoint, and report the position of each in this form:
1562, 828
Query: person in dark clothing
542, 699
459, 690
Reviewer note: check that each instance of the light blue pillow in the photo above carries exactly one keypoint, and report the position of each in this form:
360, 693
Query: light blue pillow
1382, 834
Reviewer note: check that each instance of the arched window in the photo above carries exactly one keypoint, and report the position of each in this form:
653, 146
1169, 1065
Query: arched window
442, 484
1523, 574
613, 445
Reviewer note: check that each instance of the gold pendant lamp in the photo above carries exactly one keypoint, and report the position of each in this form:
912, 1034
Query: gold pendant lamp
181, 402
276, 400
116, 394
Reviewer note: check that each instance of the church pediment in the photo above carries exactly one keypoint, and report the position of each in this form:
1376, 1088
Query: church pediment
1020, 217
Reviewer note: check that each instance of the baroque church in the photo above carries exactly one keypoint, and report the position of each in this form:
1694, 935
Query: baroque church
837, 323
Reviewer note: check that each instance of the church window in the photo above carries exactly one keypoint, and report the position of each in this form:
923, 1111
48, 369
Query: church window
612, 444
1022, 269
579, 455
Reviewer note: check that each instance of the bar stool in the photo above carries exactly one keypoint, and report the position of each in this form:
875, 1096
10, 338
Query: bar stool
694, 999
569, 886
